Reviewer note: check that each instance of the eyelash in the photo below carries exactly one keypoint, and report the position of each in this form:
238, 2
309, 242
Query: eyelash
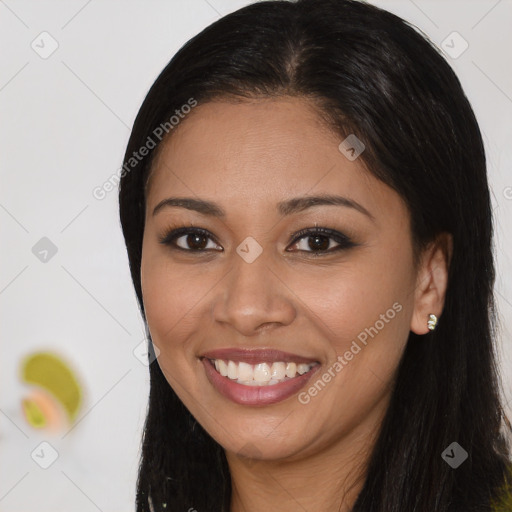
344, 241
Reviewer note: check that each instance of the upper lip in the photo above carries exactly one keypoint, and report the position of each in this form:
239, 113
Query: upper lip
256, 356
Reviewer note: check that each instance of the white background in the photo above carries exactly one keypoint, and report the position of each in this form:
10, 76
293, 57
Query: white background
65, 122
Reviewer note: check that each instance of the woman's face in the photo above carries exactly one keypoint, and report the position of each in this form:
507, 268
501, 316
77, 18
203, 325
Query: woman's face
250, 285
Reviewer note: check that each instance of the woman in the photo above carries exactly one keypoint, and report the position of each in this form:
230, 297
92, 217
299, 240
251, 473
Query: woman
306, 212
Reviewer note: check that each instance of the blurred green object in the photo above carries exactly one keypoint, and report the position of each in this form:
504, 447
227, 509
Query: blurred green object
33, 413
51, 372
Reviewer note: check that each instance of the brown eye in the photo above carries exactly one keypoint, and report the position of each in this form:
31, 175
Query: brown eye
190, 240
321, 240
318, 242
194, 241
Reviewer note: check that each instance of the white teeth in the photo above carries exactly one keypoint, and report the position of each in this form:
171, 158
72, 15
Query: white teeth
232, 370
249, 382
245, 371
261, 374
278, 371
291, 369
302, 368
223, 367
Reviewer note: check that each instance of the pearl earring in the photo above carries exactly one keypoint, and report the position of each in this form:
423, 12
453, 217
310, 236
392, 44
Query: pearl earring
432, 322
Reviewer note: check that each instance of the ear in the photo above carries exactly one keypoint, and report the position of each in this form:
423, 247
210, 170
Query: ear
431, 282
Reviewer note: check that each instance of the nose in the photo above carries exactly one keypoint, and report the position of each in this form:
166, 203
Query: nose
253, 297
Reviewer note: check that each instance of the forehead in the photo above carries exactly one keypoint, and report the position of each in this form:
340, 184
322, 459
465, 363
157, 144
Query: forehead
260, 150
250, 136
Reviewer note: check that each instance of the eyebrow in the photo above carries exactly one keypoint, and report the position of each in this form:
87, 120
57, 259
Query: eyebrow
288, 207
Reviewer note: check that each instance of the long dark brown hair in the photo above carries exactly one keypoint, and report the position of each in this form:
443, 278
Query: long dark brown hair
373, 74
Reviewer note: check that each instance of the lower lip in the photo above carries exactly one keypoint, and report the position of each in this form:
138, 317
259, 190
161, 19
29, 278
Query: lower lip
255, 395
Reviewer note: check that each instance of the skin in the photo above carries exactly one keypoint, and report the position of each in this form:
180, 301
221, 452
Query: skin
247, 157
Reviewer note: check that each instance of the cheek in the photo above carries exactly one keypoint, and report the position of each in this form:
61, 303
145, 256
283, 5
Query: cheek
369, 298
364, 316
172, 304
173, 301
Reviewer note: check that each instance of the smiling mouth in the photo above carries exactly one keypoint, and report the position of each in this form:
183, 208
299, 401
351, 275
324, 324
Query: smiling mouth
260, 374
